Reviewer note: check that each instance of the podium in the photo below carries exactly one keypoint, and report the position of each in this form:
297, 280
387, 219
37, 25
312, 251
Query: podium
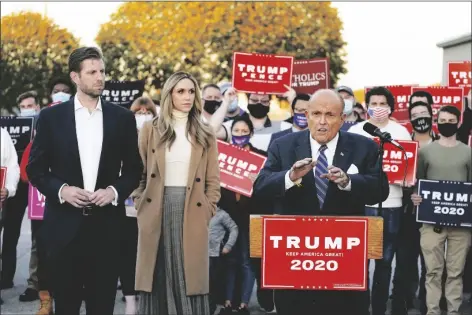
375, 236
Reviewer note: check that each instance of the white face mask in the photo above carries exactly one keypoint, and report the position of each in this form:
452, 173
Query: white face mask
27, 112
60, 97
141, 119
348, 106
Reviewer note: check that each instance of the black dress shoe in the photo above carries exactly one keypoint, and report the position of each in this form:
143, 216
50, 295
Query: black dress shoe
29, 295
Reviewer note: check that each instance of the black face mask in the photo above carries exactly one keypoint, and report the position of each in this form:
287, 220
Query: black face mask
448, 129
422, 124
211, 106
258, 110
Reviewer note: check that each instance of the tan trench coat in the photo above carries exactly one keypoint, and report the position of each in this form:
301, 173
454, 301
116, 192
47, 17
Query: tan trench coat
203, 192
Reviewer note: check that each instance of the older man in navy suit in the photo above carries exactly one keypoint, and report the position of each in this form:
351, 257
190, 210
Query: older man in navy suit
322, 171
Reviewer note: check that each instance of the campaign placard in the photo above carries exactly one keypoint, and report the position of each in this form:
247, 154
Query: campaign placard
442, 96
310, 75
260, 73
402, 94
237, 165
20, 130
123, 93
446, 203
396, 162
36, 203
314, 253
3, 176
460, 75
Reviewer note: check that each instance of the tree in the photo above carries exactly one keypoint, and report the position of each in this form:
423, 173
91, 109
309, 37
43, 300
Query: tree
34, 50
150, 40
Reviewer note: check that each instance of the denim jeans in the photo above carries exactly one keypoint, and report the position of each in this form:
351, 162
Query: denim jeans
383, 267
239, 259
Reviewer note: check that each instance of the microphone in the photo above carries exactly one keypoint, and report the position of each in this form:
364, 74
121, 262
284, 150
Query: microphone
384, 136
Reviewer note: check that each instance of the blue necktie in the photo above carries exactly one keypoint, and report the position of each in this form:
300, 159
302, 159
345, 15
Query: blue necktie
321, 168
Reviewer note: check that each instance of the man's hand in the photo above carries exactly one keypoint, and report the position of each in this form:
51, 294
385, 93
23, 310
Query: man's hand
102, 197
4, 194
290, 94
253, 177
416, 199
75, 196
225, 251
301, 168
230, 95
337, 176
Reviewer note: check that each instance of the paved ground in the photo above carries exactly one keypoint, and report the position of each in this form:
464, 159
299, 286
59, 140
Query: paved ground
13, 306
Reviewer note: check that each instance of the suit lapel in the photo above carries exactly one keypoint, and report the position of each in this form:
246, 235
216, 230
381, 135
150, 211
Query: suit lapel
342, 156
72, 143
107, 126
303, 151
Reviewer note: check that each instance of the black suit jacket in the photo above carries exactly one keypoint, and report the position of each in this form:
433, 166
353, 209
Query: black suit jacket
54, 160
351, 149
279, 134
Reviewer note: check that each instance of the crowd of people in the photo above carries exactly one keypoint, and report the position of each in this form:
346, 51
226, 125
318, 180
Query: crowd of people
133, 197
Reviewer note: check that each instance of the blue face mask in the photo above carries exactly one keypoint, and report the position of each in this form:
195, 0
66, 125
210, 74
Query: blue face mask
233, 106
241, 141
300, 120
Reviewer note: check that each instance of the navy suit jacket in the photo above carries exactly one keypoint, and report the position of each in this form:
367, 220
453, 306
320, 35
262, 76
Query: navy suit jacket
54, 160
279, 135
351, 149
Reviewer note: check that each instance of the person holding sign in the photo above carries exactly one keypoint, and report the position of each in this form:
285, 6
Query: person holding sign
85, 161
322, 171
445, 159
175, 200
380, 106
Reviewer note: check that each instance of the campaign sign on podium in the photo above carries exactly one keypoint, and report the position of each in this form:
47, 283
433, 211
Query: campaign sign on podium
36, 203
445, 203
314, 253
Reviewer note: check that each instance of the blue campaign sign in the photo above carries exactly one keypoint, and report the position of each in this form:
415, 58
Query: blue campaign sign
445, 202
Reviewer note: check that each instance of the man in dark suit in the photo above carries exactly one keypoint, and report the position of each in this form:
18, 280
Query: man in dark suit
322, 171
85, 160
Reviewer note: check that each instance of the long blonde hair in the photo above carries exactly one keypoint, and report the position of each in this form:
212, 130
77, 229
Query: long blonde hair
196, 128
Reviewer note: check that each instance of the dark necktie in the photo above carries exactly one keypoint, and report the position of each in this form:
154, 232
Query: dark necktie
321, 168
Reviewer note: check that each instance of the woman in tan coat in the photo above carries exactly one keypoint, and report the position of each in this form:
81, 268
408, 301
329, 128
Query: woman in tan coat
175, 201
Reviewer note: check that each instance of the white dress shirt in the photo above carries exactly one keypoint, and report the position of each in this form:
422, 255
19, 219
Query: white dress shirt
89, 131
10, 161
329, 152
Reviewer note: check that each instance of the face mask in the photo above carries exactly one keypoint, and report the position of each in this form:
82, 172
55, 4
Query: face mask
141, 119
60, 97
448, 129
211, 106
241, 141
27, 112
233, 106
379, 113
300, 120
348, 106
422, 124
258, 110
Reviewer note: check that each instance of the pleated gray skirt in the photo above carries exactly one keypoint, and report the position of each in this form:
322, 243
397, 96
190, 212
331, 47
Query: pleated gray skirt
168, 296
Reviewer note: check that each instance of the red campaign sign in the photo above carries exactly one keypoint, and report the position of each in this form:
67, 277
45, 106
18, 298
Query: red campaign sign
36, 203
236, 167
263, 74
409, 127
402, 94
394, 163
442, 96
3, 176
460, 75
310, 75
314, 253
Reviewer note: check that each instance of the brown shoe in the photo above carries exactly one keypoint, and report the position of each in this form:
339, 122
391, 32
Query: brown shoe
46, 303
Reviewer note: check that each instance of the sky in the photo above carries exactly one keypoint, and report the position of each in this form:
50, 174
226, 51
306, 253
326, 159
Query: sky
388, 43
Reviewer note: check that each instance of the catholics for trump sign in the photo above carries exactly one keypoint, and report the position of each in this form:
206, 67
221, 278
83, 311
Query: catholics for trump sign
20, 130
445, 202
123, 93
310, 75
314, 253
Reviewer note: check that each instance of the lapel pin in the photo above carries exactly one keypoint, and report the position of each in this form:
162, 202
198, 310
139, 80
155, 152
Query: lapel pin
342, 154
